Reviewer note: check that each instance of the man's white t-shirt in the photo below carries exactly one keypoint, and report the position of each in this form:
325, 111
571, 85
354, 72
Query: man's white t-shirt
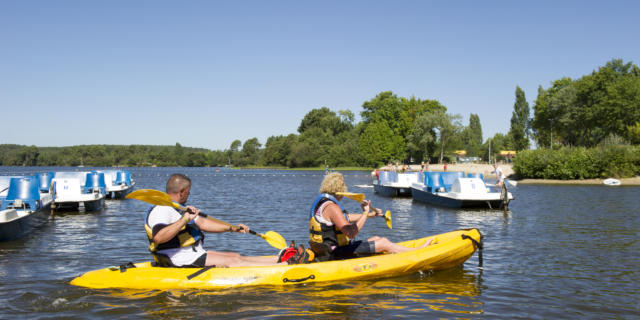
179, 256
499, 174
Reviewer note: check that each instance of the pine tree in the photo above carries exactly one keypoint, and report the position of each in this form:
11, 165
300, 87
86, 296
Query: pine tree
520, 122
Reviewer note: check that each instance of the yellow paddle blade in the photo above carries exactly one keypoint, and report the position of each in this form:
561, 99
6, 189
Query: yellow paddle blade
274, 239
148, 192
154, 197
353, 196
387, 219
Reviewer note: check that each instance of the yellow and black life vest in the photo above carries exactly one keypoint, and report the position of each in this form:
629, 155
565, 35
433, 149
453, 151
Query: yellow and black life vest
188, 236
321, 233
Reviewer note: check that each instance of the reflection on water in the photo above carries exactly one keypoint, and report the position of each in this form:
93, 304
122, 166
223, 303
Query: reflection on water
449, 293
561, 252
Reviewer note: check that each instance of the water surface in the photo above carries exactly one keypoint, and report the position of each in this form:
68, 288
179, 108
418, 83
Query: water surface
560, 252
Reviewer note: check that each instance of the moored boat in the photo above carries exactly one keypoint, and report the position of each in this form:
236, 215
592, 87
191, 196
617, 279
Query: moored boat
448, 250
453, 189
23, 207
611, 182
71, 189
392, 184
118, 183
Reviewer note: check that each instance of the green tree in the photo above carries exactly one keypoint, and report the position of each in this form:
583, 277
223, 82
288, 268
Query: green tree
345, 151
278, 150
437, 126
327, 120
423, 137
520, 123
499, 142
321, 135
633, 133
250, 152
29, 156
233, 154
399, 115
585, 111
472, 136
378, 144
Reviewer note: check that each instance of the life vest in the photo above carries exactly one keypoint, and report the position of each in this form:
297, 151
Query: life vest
321, 233
187, 236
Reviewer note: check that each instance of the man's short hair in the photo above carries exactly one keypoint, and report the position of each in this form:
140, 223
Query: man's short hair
177, 182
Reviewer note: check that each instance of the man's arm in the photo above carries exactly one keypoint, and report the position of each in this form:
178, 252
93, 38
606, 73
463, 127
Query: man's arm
169, 231
211, 226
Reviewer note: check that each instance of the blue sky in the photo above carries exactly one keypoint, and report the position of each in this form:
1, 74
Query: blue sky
204, 73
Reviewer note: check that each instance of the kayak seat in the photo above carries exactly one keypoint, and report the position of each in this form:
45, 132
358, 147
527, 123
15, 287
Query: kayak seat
321, 251
163, 261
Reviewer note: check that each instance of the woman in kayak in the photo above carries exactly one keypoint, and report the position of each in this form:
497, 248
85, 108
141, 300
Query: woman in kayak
331, 227
175, 239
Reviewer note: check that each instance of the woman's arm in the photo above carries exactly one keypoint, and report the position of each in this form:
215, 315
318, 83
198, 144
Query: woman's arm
349, 228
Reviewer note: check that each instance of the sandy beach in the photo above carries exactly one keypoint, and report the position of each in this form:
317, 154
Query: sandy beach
508, 171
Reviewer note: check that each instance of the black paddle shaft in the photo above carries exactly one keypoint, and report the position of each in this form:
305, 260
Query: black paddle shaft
250, 231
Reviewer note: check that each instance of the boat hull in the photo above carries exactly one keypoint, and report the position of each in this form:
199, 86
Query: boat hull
90, 202
15, 224
450, 249
393, 184
443, 201
120, 191
389, 191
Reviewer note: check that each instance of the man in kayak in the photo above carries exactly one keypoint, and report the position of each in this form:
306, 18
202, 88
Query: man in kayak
175, 240
331, 227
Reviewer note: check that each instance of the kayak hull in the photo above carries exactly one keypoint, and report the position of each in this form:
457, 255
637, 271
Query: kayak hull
450, 250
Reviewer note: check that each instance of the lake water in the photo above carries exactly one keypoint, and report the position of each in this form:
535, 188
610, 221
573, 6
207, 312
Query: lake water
560, 252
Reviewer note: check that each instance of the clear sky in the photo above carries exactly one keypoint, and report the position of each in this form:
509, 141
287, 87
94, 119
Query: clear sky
205, 73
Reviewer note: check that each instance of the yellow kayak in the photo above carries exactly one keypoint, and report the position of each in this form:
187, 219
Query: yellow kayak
447, 250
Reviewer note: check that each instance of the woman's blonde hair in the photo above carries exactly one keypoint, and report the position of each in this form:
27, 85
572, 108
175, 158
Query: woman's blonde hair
333, 183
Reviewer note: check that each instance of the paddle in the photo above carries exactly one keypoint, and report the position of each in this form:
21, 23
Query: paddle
360, 197
353, 196
160, 198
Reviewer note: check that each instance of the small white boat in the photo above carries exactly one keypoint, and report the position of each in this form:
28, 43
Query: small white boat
118, 183
453, 189
23, 207
391, 183
611, 182
71, 189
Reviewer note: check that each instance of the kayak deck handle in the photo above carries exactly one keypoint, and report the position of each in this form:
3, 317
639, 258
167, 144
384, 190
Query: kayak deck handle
478, 245
299, 280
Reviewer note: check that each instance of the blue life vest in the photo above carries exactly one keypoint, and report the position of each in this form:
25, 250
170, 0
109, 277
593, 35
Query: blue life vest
321, 233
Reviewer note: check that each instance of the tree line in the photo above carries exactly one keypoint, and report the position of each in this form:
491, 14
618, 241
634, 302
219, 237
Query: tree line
392, 129
571, 113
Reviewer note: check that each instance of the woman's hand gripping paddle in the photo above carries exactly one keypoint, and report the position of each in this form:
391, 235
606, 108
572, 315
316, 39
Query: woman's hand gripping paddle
160, 198
360, 197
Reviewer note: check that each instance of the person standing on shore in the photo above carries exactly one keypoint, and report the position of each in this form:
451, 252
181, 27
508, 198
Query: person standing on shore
499, 175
